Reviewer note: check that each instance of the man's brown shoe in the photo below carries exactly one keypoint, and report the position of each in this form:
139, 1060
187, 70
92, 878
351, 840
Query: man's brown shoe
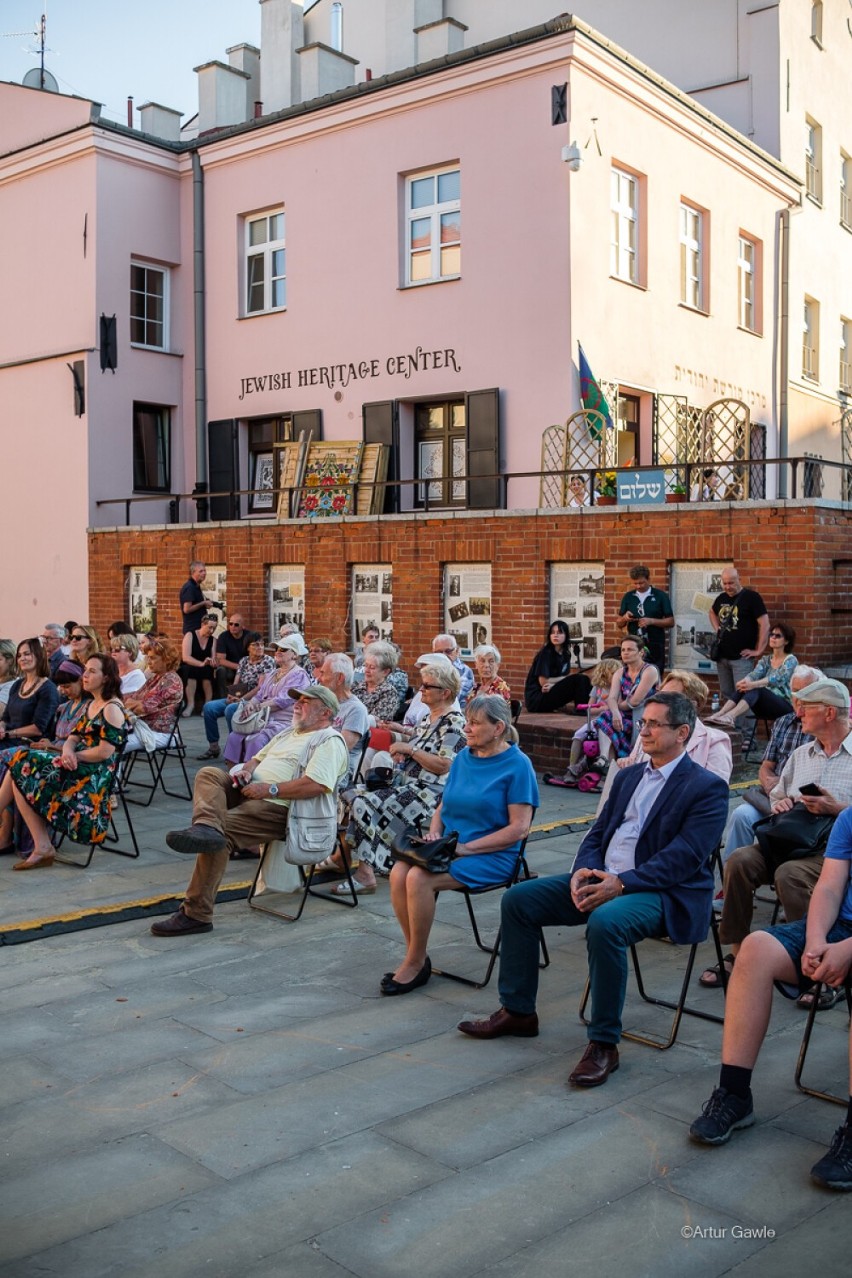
179, 924
502, 1022
595, 1066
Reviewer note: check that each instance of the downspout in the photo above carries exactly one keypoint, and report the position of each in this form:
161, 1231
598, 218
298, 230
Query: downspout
784, 354
200, 339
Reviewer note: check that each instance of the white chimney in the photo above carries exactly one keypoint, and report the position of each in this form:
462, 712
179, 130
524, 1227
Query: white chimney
160, 121
246, 58
282, 32
221, 96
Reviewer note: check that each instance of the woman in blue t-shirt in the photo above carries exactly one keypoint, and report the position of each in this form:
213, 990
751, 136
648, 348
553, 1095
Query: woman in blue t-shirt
489, 798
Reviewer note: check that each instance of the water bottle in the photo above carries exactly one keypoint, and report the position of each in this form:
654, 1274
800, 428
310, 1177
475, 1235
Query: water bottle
714, 704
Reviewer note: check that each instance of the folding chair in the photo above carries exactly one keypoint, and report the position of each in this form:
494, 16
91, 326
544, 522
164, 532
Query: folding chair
680, 1007
156, 760
806, 1038
748, 745
515, 707
306, 875
520, 872
116, 799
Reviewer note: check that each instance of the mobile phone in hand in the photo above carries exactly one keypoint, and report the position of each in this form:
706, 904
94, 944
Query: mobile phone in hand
812, 790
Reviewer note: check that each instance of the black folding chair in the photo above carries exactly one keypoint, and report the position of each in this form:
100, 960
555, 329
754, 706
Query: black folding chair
679, 1007
806, 1039
520, 872
116, 800
156, 760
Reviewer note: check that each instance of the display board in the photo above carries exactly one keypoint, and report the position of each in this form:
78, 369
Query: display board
372, 600
467, 604
577, 598
286, 597
142, 591
694, 587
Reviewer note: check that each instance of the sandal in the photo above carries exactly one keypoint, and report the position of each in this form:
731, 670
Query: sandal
329, 866
361, 889
711, 979
827, 998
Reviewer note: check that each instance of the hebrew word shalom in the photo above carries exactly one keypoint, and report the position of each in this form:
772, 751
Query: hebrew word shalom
641, 488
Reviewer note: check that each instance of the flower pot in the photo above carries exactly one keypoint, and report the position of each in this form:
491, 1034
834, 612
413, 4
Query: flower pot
674, 497
601, 500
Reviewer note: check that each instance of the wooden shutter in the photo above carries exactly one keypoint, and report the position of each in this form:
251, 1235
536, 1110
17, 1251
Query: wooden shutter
482, 425
381, 426
223, 466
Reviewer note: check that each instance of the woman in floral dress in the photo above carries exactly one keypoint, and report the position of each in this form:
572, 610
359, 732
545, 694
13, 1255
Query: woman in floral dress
422, 763
630, 687
69, 792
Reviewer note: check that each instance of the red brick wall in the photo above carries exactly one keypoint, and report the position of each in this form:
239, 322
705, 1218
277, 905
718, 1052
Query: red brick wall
788, 553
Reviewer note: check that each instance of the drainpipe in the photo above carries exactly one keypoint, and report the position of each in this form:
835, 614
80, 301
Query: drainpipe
200, 339
784, 354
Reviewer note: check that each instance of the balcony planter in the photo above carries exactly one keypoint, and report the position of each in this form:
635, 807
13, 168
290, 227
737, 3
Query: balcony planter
671, 498
606, 499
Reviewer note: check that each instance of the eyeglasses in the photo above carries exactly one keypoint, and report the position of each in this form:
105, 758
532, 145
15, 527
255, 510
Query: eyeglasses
237, 624
651, 725
431, 687
116, 647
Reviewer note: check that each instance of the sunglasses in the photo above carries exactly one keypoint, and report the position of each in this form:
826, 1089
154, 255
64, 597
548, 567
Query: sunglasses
431, 687
775, 634
78, 638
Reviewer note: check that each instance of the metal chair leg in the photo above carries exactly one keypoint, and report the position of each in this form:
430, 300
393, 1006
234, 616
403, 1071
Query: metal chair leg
806, 1039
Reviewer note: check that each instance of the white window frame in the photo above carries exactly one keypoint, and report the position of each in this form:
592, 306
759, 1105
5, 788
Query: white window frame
151, 270
813, 159
845, 369
748, 283
264, 252
810, 340
693, 233
624, 261
846, 190
431, 254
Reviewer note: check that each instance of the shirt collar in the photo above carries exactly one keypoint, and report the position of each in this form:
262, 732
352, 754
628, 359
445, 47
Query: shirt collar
666, 770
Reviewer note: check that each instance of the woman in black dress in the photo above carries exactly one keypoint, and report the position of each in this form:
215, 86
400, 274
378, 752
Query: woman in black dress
549, 685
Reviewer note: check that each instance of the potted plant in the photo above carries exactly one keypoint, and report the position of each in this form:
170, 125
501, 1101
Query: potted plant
605, 486
678, 493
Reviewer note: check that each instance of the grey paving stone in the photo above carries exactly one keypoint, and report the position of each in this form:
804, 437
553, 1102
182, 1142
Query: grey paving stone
72, 1118
820, 1243
47, 990
79, 1058
354, 1097
642, 1236
23, 1078
266, 1010
85, 1191
105, 1011
491, 1211
227, 1228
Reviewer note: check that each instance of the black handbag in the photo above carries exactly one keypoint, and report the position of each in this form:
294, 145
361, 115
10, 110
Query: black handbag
792, 835
433, 855
715, 649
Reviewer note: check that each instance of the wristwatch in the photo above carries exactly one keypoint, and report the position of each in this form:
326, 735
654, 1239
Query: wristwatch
273, 791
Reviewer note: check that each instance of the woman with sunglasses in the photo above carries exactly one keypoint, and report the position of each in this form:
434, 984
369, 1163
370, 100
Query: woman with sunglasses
84, 642
68, 793
124, 650
421, 764
765, 692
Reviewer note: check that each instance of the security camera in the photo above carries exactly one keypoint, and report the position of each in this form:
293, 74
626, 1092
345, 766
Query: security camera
572, 156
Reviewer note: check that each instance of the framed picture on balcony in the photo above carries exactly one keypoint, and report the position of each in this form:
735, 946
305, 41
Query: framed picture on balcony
262, 483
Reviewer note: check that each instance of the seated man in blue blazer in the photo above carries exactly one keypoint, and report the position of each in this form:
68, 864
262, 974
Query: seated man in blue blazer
642, 870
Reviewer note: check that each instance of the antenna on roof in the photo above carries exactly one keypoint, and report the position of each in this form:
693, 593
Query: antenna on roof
38, 77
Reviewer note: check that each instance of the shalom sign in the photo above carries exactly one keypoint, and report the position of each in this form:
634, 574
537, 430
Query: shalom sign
641, 488
339, 376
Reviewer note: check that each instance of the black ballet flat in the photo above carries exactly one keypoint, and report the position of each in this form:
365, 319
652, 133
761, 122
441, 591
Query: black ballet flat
390, 986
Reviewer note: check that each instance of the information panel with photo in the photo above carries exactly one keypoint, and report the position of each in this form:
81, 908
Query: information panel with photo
286, 597
142, 585
467, 605
694, 587
577, 598
372, 600
215, 587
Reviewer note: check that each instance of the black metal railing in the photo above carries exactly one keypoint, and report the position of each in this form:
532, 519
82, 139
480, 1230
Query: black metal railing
798, 478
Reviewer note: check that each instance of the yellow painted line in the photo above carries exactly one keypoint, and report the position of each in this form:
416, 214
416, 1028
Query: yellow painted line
117, 908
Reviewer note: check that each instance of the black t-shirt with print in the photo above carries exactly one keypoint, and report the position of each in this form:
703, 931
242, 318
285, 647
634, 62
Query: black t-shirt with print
738, 618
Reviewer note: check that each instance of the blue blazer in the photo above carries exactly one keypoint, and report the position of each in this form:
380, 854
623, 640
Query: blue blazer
674, 847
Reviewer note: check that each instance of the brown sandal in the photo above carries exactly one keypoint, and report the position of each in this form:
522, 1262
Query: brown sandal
711, 979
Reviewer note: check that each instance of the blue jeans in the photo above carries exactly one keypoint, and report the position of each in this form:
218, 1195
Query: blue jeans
610, 929
213, 711
740, 831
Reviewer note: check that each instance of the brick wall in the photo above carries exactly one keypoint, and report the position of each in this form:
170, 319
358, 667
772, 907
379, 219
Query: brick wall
788, 552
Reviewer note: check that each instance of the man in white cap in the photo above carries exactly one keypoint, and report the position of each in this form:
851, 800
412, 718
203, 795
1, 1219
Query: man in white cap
232, 810
825, 763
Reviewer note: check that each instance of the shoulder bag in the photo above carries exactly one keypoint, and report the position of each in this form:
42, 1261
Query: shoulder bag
247, 721
792, 835
312, 823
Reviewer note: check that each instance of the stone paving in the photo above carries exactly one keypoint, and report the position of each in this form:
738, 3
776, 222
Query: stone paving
245, 1103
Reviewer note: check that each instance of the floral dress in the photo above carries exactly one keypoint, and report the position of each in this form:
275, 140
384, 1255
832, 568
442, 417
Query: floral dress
623, 740
75, 803
377, 816
496, 688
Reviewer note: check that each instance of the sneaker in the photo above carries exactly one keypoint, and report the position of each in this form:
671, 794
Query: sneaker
179, 924
724, 1113
834, 1169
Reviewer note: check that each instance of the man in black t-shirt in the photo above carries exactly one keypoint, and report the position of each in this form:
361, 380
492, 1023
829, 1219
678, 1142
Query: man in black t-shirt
193, 604
231, 647
647, 612
741, 622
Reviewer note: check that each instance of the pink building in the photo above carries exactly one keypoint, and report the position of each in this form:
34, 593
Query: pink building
190, 302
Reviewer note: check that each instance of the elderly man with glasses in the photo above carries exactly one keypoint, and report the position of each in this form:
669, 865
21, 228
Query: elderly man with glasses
447, 647
52, 640
642, 870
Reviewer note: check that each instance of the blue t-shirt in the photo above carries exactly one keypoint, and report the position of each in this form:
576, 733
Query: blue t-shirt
476, 802
840, 849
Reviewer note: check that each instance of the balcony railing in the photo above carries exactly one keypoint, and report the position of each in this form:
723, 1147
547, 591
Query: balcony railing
795, 478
